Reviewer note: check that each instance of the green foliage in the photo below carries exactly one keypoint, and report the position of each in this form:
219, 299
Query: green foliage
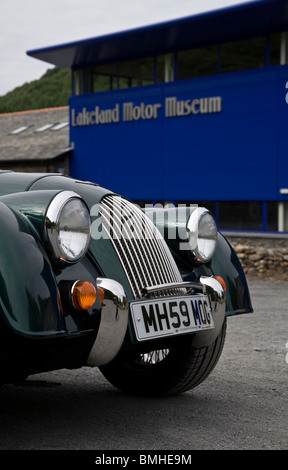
53, 89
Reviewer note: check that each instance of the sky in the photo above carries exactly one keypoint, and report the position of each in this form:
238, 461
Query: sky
33, 24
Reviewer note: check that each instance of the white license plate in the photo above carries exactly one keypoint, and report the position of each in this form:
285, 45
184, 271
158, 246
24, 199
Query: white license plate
171, 316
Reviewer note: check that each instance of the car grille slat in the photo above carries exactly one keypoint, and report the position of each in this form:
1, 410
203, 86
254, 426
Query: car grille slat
125, 247
141, 249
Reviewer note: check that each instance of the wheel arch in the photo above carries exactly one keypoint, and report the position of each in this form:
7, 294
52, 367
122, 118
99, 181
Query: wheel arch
28, 291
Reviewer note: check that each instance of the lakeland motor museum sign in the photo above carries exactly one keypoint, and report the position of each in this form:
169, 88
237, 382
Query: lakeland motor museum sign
128, 111
151, 138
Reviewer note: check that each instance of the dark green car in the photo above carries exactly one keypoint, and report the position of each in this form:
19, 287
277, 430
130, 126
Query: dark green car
88, 278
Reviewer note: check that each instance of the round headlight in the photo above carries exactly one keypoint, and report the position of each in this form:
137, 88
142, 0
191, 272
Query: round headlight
68, 227
202, 231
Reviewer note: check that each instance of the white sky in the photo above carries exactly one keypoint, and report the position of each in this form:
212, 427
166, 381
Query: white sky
33, 24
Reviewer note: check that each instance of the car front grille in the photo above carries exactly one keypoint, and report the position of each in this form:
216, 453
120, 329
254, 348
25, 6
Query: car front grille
141, 249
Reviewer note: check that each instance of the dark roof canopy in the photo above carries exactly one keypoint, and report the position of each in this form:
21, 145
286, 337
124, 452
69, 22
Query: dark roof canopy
245, 20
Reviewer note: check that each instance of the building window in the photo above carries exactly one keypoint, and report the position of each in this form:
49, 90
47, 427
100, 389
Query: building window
209, 205
240, 215
101, 78
134, 73
272, 216
283, 216
197, 62
165, 68
77, 82
160, 68
275, 49
144, 204
243, 55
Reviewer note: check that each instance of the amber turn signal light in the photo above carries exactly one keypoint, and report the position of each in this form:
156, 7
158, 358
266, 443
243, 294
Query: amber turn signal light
83, 295
221, 280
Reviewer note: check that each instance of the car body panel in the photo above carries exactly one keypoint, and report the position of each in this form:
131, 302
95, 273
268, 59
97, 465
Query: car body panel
40, 328
238, 299
28, 288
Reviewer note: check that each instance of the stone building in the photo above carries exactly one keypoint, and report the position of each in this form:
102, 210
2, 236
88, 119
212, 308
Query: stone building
35, 141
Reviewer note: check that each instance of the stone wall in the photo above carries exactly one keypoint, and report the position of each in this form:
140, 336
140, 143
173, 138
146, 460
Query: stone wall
262, 258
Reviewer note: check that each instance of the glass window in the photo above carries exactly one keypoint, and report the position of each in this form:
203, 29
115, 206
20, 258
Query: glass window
277, 216
165, 68
243, 55
197, 62
144, 204
137, 72
284, 222
160, 68
78, 82
209, 205
240, 215
272, 216
101, 78
275, 46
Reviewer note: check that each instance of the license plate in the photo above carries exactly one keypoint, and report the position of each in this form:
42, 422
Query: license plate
171, 316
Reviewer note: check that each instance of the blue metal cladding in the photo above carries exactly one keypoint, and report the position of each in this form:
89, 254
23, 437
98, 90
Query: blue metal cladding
213, 138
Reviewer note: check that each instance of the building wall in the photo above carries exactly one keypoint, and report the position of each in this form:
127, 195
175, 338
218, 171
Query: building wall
32, 166
220, 138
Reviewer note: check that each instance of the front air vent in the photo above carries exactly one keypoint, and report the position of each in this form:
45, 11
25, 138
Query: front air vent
140, 247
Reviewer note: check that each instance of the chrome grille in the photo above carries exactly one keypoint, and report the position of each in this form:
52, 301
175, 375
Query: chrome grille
139, 245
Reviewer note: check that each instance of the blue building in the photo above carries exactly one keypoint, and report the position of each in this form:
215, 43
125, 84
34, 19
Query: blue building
193, 110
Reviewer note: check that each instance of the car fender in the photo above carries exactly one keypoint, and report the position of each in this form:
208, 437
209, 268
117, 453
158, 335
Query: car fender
225, 263
28, 291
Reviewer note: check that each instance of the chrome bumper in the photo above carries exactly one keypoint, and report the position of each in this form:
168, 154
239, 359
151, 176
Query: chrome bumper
113, 324
207, 285
115, 308
218, 302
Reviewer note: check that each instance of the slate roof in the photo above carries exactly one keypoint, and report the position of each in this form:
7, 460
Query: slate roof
34, 135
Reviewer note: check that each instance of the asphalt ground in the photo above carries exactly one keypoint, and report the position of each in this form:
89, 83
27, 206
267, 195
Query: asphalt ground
242, 405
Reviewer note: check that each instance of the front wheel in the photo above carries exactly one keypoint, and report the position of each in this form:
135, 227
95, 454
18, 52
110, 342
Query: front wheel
166, 371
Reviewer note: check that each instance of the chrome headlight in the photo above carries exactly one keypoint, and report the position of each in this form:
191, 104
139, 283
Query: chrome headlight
202, 231
67, 227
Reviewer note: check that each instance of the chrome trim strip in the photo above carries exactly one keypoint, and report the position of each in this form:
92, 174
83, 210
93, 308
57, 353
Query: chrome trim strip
173, 285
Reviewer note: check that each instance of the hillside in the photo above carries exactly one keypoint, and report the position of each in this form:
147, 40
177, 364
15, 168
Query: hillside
53, 89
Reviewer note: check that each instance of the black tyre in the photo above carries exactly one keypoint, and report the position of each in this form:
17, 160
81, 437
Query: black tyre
166, 371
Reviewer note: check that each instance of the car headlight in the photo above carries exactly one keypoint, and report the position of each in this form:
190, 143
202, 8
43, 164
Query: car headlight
202, 231
67, 227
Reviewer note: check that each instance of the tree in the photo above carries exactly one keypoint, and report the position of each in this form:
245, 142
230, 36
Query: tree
53, 89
